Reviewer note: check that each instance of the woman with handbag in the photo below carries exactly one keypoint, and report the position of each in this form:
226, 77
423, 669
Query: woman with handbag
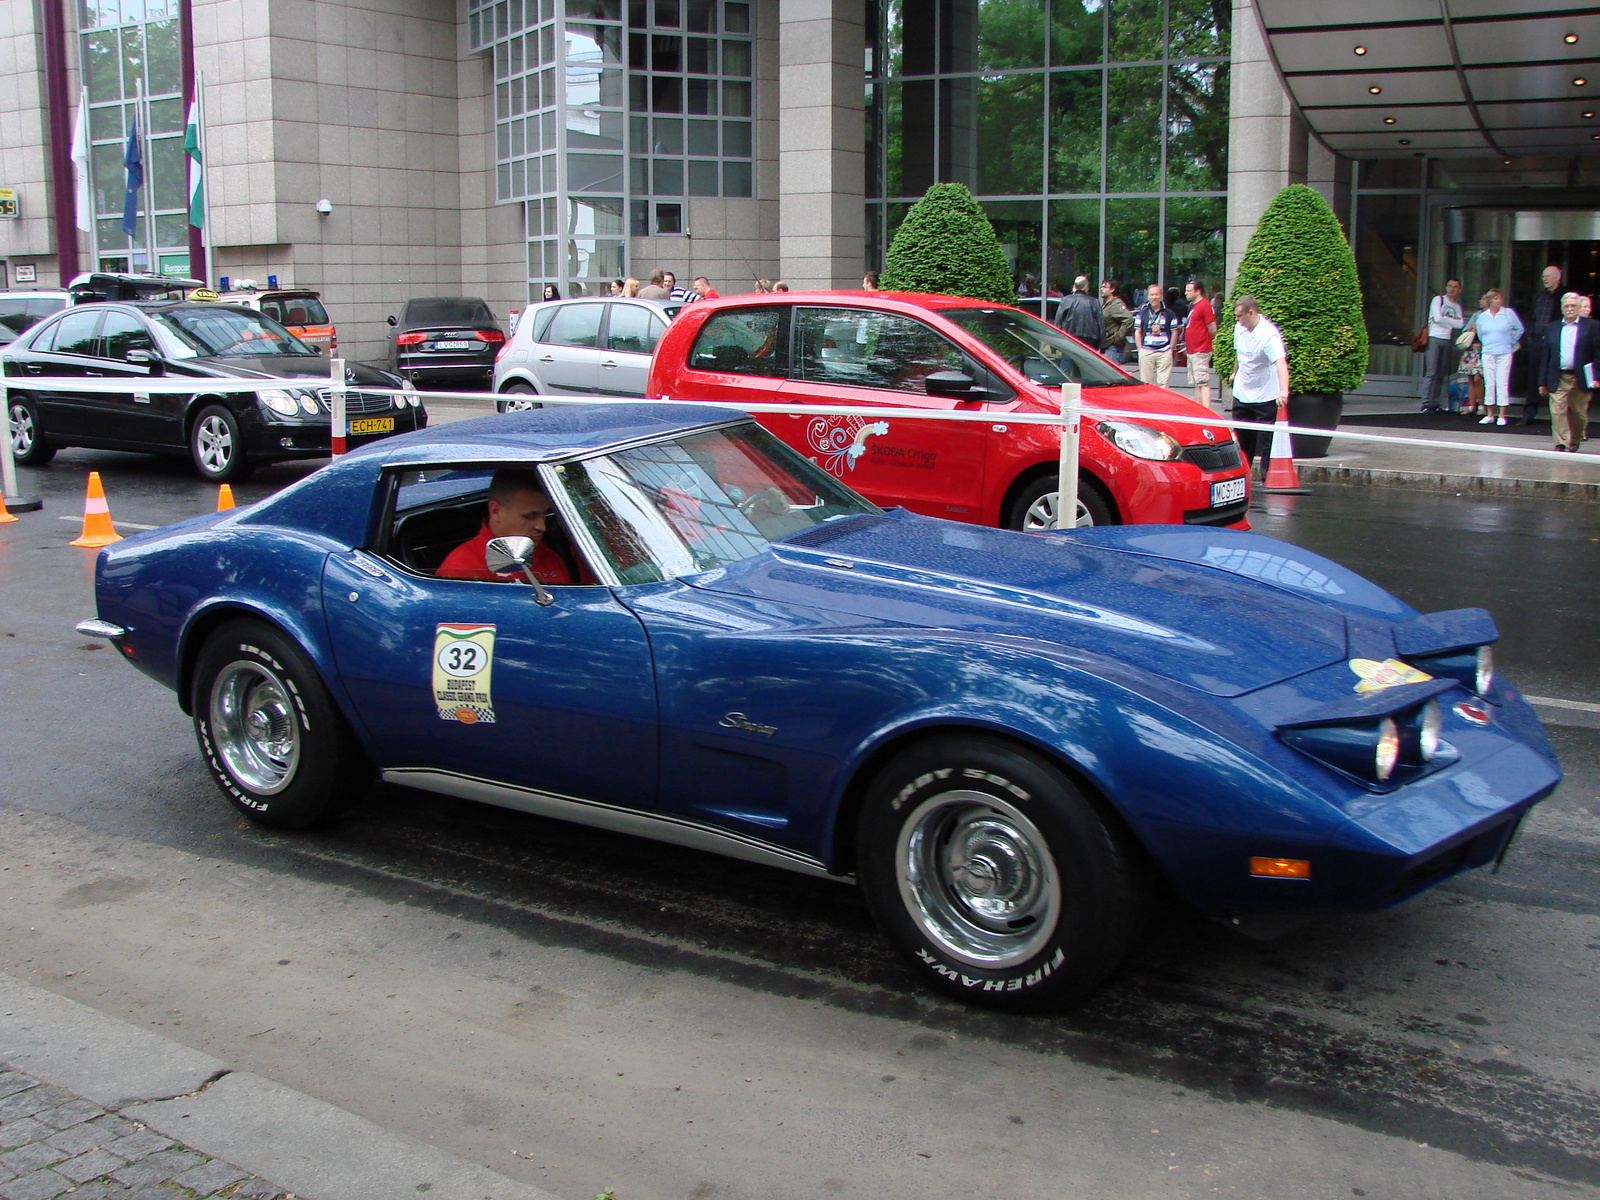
1499, 330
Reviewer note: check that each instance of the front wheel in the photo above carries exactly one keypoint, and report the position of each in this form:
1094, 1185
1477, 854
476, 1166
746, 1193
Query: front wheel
216, 446
28, 446
995, 877
1035, 508
517, 397
276, 744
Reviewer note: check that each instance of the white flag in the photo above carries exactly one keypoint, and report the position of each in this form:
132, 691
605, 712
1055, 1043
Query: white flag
80, 163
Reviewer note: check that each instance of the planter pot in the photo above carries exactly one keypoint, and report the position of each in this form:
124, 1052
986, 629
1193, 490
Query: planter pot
1318, 410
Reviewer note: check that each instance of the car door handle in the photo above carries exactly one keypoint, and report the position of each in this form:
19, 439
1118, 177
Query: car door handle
609, 363
548, 358
33, 368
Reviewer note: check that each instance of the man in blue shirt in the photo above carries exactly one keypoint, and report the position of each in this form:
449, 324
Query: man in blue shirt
1155, 333
1570, 372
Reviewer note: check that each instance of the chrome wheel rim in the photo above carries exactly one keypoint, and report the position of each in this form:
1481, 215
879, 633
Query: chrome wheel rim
1041, 513
254, 728
214, 440
977, 877
520, 402
22, 432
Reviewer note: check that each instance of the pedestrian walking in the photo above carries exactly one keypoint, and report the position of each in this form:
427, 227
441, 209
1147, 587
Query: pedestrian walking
1117, 320
1498, 330
1445, 321
1081, 315
1570, 373
1155, 334
1546, 312
1260, 376
1199, 335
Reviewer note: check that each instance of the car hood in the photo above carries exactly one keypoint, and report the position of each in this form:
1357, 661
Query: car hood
1197, 625
1150, 402
309, 366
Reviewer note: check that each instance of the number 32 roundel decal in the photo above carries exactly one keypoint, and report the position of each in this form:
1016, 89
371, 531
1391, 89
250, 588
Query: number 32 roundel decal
463, 656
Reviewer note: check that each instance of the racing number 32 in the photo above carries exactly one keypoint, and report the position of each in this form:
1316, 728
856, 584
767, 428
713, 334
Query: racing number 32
463, 660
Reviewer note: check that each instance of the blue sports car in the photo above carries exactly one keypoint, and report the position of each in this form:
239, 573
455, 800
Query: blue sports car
658, 619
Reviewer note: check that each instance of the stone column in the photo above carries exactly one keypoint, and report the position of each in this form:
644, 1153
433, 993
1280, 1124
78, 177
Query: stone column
1266, 137
821, 151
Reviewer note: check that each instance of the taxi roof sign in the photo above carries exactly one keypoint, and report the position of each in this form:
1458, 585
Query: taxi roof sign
204, 294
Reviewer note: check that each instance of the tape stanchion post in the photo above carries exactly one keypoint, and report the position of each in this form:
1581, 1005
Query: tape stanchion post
1067, 469
13, 498
341, 427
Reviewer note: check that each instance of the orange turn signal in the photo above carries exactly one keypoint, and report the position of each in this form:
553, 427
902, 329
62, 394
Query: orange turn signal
1280, 868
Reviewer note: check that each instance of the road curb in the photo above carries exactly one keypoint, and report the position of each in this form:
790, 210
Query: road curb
1424, 481
307, 1146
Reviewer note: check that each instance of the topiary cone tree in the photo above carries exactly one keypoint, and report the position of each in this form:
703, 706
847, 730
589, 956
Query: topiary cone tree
946, 245
1300, 267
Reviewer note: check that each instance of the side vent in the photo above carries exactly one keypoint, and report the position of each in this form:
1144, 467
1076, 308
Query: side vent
819, 535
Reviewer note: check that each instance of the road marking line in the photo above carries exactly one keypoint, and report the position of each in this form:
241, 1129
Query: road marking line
124, 524
1552, 702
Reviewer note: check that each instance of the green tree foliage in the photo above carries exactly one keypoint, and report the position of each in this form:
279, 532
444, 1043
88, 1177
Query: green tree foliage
946, 245
1299, 266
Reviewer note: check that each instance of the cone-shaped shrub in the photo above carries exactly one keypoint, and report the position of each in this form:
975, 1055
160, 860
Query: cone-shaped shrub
947, 245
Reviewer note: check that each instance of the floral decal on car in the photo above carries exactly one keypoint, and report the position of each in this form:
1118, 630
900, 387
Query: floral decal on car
840, 441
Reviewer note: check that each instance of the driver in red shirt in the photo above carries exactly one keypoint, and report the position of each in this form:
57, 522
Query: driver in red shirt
518, 507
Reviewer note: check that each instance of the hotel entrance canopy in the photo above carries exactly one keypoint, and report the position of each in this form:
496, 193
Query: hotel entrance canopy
1442, 78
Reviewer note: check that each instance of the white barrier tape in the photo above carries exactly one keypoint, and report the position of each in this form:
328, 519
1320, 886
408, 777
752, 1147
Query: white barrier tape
181, 387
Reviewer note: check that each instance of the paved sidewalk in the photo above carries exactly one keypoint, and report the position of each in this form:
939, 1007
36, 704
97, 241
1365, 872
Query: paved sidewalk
100, 1109
57, 1144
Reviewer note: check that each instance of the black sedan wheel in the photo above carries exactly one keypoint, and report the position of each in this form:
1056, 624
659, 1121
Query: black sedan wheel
216, 446
995, 876
517, 397
1035, 508
28, 446
276, 744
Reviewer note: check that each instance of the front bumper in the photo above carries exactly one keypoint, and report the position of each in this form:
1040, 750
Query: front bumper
269, 441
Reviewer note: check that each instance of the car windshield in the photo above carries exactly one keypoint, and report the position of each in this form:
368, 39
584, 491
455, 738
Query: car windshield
446, 310
700, 501
205, 331
1041, 352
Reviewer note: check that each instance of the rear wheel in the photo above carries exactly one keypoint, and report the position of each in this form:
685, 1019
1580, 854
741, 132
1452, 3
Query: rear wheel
994, 875
1036, 507
28, 446
216, 447
517, 397
275, 742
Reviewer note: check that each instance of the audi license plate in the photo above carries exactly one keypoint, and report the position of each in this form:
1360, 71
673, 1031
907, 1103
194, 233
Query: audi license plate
372, 425
1228, 491
452, 345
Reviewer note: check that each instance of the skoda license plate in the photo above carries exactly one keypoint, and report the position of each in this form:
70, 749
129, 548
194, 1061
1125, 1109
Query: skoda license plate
1228, 491
372, 425
452, 345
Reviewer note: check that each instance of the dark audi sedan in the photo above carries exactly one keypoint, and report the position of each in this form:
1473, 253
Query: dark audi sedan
445, 338
225, 433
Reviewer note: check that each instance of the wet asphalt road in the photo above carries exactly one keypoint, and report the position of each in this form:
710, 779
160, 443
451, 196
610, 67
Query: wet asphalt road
1468, 1020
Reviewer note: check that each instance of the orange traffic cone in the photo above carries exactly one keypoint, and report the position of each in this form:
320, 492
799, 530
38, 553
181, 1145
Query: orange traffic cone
224, 498
5, 517
1281, 475
97, 530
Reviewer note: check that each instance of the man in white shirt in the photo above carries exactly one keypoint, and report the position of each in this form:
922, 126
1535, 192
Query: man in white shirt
1445, 320
1260, 376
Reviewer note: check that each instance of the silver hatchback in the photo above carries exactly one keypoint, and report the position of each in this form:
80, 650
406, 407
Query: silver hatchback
596, 345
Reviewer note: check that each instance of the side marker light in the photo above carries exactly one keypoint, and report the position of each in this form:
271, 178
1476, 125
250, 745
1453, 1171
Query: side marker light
1280, 868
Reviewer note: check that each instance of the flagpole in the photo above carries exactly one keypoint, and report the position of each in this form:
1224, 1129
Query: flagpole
149, 189
205, 181
94, 207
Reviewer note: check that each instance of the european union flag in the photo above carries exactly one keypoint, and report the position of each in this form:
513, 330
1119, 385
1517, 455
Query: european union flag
135, 167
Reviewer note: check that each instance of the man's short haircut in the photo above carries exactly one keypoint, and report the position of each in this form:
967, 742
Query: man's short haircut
1195, 284
508, 481
657, 276
1110, 283
1451, 280
1081, 284
702, 279
664, 275
1572, 296
1248, 303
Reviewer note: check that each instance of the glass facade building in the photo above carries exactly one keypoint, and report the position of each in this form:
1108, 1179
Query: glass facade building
132, 65
1093, 132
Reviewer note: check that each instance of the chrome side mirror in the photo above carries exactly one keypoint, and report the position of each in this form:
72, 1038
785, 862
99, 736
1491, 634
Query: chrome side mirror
503, 555
144, 358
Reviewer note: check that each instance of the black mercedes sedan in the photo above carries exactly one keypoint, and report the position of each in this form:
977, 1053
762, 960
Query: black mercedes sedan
225, 433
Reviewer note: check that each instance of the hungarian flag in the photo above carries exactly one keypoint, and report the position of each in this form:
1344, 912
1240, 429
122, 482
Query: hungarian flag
135, 168
191, 147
